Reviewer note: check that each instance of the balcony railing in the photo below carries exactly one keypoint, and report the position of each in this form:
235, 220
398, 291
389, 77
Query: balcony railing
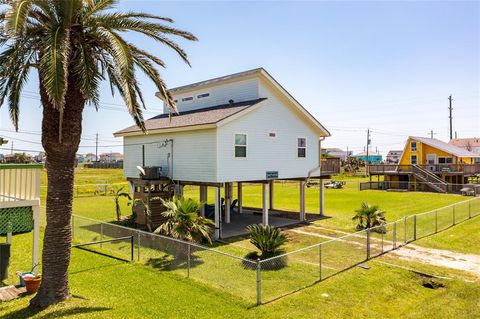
467, 169
19, 182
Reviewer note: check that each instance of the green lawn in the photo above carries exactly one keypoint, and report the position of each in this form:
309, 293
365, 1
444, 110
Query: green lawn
107, 288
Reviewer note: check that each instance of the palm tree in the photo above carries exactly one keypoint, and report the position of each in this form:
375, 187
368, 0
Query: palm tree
117, 194
183, 221
267, 239
74, 45
369, 216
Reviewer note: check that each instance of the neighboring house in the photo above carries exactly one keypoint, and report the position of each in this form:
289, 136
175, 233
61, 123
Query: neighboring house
80, 158
393, 157
337, 152
111, 157
40, 158
243, 127
90, 157
470, 144
370, 158
430, 163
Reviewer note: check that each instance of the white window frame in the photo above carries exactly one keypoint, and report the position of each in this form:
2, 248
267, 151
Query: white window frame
198, 97
235, 145
411, 146
188, 101
416, 159
298, 147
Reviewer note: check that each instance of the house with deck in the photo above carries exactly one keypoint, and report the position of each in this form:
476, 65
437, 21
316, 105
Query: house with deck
235, 129
428, 164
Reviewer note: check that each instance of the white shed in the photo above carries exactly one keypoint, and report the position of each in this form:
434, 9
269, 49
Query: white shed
243, 127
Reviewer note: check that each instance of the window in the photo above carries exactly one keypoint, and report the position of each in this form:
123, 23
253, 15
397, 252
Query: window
240, 145
187, 99
272, 134
301, 147
203, 95
413, 159
445, 160
413, 146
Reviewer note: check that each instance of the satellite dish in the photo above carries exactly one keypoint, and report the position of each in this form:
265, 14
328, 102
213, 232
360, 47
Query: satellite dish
142, 171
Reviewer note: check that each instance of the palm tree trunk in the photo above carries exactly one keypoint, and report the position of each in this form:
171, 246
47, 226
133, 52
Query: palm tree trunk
60, 167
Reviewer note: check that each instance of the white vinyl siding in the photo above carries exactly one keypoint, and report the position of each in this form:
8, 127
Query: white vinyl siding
238, 91
194, 154
265, 153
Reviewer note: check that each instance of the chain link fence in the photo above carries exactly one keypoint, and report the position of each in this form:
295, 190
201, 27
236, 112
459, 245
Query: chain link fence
260, 281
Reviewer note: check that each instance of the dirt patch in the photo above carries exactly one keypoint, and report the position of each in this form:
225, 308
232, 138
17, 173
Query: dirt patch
440, 257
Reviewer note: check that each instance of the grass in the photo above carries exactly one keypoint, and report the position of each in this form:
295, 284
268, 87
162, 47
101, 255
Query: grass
106, 288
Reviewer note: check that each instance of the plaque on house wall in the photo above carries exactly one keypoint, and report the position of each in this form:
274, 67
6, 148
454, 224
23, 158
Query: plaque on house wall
272, 174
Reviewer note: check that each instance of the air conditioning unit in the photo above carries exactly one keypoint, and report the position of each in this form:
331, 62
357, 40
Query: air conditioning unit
152, 172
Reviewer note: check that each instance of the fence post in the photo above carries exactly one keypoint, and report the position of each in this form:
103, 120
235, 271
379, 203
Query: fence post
101, 234
73, 227
382, 242
259, 283
320, 261
138, 246
368, 243
405, 229
394, 235
436, 221
131, 248
414, 227
453, 214
469, 209
188, 261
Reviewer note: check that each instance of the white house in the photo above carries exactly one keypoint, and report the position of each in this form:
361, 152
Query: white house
243, 127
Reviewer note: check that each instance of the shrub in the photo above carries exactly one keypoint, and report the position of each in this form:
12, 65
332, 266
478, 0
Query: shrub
267, 239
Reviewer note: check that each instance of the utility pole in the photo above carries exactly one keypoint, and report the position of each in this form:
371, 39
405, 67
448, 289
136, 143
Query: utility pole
450, 116
431, 133
96, 148
368, 143
347, 153
11, 150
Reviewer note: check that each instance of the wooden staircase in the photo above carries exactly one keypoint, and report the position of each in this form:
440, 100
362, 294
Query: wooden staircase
431, 180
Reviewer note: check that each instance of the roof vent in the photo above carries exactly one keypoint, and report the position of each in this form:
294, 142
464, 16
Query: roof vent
230, 102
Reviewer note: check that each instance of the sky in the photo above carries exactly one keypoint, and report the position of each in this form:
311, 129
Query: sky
387, 66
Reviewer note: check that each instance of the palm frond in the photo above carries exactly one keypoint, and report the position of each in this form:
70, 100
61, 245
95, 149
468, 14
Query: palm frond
16, 17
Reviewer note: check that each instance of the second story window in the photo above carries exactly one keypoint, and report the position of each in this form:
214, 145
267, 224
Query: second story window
240, 145
413, 146
203, 95
301, 147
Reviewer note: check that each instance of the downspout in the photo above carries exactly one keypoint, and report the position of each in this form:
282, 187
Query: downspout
319, 167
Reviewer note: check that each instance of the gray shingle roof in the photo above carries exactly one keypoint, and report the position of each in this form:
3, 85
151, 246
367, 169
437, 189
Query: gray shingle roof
449, 148
210, 115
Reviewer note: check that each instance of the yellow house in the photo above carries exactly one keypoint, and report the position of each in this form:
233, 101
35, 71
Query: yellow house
429, 164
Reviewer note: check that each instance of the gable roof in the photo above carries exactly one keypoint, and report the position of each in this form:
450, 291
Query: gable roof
263, 74
446, 147
196, 118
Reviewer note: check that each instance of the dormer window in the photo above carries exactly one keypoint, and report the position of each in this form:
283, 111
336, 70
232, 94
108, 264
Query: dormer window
187, 99
203, 95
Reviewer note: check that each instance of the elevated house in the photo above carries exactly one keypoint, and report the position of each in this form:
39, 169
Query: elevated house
393, 157
429, 164
235, 129
370, 158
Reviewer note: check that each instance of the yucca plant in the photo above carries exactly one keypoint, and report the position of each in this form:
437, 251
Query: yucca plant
74, 45
183, 221
267, 239
117, 194
369, 216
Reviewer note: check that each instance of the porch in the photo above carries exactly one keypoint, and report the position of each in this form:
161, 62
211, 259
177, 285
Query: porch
439, 169
20, 203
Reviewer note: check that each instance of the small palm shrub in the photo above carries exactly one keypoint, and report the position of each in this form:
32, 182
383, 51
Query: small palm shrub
267, 239
183, 221
368, 216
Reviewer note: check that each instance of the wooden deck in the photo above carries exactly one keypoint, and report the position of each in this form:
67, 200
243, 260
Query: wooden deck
12, 292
